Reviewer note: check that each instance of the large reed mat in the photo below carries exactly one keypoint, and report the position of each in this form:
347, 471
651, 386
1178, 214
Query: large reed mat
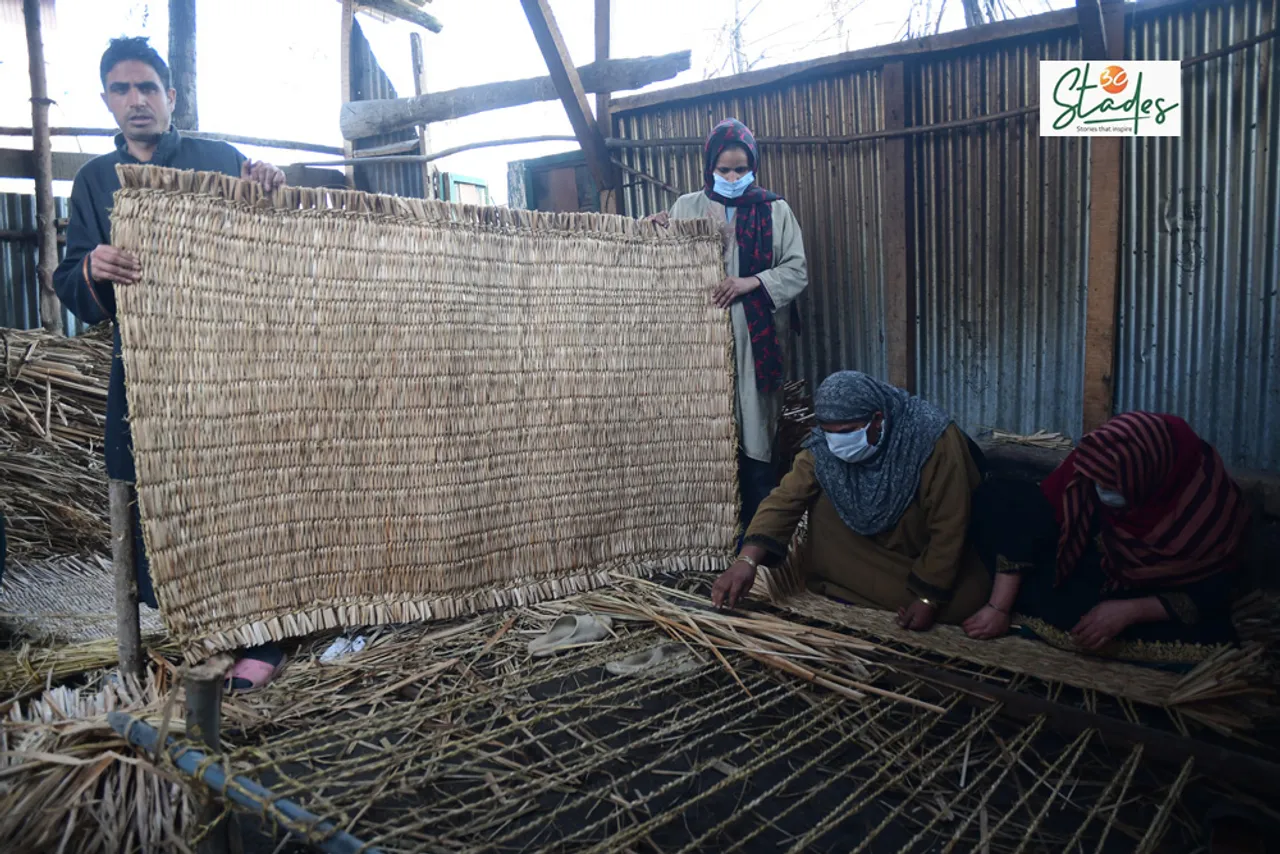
356, 409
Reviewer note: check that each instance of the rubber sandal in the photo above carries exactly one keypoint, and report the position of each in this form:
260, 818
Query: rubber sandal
571, 631
250, 674
670, 659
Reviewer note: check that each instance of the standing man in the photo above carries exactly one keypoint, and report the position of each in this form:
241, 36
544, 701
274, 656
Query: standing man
135, 82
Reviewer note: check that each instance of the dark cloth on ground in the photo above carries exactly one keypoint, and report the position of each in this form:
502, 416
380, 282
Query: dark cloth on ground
923, 555
756, 480
89, 225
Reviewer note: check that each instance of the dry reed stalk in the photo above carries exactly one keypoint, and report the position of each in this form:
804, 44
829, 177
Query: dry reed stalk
531, 429
53, 489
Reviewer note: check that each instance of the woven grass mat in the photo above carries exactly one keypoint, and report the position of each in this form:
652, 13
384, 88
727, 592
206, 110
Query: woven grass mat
64, 600
351, 409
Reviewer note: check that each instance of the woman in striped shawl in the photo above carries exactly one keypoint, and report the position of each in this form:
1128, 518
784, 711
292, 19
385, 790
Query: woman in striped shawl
1134, 537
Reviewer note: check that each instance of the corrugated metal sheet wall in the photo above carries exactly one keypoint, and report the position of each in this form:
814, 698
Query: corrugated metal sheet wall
19, 286
370, 82
1199, 330
998, 242
834, 190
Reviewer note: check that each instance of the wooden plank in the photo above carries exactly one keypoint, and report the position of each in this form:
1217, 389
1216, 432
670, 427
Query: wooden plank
203, 692
565, 77
234, 138
346, 84
128, 631
604, 13
360, 119
405, 12
21, 163
900, 309
1106, 156
424, 130
182, 63
1093, 36
42, 156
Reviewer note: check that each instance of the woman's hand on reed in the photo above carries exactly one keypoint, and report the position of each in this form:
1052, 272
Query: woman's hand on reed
1104, 623
661, 218
918, 616
733, 584
733, 287
988, 623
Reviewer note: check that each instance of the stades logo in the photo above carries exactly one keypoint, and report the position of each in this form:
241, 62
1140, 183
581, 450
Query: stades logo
1134, 99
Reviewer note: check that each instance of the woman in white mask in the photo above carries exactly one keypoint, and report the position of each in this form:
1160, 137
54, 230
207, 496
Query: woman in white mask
887, 480
764, 273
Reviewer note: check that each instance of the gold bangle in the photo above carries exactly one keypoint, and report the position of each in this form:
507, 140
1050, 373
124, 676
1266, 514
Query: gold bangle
927, 602
754, 564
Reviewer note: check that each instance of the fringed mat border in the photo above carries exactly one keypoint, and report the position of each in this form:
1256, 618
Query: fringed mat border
322, 201
325, 617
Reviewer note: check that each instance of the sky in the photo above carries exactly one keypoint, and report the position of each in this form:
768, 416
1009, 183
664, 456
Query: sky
270, 68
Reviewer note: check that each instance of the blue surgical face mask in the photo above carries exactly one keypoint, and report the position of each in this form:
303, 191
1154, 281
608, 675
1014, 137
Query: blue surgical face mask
1111, 498
732, 189
852, 447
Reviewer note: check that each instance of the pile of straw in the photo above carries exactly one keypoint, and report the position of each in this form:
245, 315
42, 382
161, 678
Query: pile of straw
53, 488
374, 409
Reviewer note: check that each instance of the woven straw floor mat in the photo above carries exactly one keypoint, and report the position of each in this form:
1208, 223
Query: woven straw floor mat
351, 409
69, 600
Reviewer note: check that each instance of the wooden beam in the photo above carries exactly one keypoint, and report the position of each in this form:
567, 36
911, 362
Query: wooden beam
1093, 35
900, 303
604, 12
202, 686
182, 62
21, 163
1102, 289
405, 12
121, 496
568, 85
424, 130
360, 119
42, 155
346, 84
223, 137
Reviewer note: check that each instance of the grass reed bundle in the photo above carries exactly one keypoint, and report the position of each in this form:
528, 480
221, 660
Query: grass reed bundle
354, 409
53, 487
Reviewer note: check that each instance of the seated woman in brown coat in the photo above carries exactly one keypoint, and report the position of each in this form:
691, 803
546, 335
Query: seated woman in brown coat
887, 480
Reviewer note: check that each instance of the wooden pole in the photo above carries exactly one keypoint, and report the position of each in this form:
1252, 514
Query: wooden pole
899, 294
424, 130
1106, 156
348, 21
569, 86
42, 150
123, 564
604, 10
203, 687
182, 62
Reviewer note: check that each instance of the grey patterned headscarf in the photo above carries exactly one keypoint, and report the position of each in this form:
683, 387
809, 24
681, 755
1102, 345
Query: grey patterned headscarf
871, 496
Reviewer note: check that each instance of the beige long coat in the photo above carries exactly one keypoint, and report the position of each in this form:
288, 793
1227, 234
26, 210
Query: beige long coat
757, 413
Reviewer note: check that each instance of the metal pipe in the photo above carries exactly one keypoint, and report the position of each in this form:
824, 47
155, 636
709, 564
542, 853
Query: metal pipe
241, 790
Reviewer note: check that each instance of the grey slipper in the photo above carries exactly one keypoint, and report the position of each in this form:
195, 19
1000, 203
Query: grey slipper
570, 631
669, 658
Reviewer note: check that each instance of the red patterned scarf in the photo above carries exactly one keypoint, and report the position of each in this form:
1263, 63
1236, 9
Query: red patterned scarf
753, 228
1185, 518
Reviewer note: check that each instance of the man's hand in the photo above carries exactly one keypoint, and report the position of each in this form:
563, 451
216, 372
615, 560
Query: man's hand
263, 174
731, 288
1104, 623
733, 584
917, 617
660, 218
988, 623
109, 264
